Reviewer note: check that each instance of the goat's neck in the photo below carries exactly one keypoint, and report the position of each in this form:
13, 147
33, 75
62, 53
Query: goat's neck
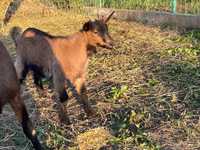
87, 39
89, 46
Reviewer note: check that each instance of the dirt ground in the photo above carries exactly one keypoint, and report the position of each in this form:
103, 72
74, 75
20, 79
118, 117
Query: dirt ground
145, 90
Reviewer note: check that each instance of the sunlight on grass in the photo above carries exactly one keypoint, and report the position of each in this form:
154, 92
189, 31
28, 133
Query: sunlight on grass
146, 90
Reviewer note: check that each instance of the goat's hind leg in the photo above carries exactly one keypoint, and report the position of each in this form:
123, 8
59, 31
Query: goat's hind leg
21, 69
19, 108
59, 83
38, 80
37, 75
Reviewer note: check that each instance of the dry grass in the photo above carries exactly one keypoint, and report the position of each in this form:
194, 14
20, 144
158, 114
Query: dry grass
93, 139
146, 89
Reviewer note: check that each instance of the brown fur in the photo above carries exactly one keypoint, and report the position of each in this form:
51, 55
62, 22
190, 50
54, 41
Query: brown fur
65, 58
10, 93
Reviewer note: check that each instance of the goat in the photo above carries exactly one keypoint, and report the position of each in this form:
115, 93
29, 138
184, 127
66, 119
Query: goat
10, 93
63, 57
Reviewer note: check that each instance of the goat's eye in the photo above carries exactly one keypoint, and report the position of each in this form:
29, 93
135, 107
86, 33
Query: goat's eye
96, 32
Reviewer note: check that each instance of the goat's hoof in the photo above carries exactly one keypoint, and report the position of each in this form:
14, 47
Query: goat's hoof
41, 92
65, 121
90, 112
36, 144
63, 97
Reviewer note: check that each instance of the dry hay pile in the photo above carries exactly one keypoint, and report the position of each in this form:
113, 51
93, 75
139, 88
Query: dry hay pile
93, 139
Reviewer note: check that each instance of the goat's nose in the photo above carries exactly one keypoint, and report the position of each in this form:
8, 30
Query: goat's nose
110, 42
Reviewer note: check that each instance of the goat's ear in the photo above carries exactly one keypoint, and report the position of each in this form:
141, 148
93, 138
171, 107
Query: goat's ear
101, 17
87, 26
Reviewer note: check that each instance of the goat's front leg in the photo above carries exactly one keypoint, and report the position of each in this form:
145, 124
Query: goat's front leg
21, 69
82, 92
59, 83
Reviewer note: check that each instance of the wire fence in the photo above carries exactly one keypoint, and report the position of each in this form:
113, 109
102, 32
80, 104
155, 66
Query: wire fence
175, 6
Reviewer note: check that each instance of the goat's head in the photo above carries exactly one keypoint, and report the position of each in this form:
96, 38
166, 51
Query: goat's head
97, 32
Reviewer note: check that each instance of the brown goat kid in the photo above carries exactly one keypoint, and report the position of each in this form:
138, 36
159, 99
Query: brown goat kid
10, 93
63, 58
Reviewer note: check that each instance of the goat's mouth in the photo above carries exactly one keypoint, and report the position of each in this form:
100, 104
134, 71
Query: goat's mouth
106, 45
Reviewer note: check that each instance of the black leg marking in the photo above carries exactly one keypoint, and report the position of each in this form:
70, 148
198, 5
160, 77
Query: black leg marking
37, 75
24, 74
29, 130
51, 86
38, 80
63, 96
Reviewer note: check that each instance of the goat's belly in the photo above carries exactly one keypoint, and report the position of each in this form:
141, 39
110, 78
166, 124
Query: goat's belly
7, 93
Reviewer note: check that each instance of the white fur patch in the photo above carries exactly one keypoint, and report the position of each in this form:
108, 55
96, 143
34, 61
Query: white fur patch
33, 132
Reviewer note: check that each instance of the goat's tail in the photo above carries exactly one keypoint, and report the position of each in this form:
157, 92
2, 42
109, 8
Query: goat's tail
15, 34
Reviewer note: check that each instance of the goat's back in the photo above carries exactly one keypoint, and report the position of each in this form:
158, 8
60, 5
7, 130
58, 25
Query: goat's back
35, 51
31, 32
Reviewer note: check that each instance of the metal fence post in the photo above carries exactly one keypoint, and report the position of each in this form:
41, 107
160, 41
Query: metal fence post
100, 4
174, 3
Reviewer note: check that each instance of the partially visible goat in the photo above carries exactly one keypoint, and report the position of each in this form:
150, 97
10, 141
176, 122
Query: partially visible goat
10, 93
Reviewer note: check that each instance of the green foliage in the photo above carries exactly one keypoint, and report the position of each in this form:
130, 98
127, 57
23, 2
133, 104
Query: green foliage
186, 51
153, 82
64, 4
56, 136
117, 93
131, 4
191, 7
194, 34
128, 126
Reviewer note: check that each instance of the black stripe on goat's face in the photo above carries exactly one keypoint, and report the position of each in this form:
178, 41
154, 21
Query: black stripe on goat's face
98, 34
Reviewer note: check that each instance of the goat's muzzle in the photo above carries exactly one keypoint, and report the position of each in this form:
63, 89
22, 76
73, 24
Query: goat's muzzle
108, 45
108, 42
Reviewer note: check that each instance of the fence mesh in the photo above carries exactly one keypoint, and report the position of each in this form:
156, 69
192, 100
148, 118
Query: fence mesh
182, 6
